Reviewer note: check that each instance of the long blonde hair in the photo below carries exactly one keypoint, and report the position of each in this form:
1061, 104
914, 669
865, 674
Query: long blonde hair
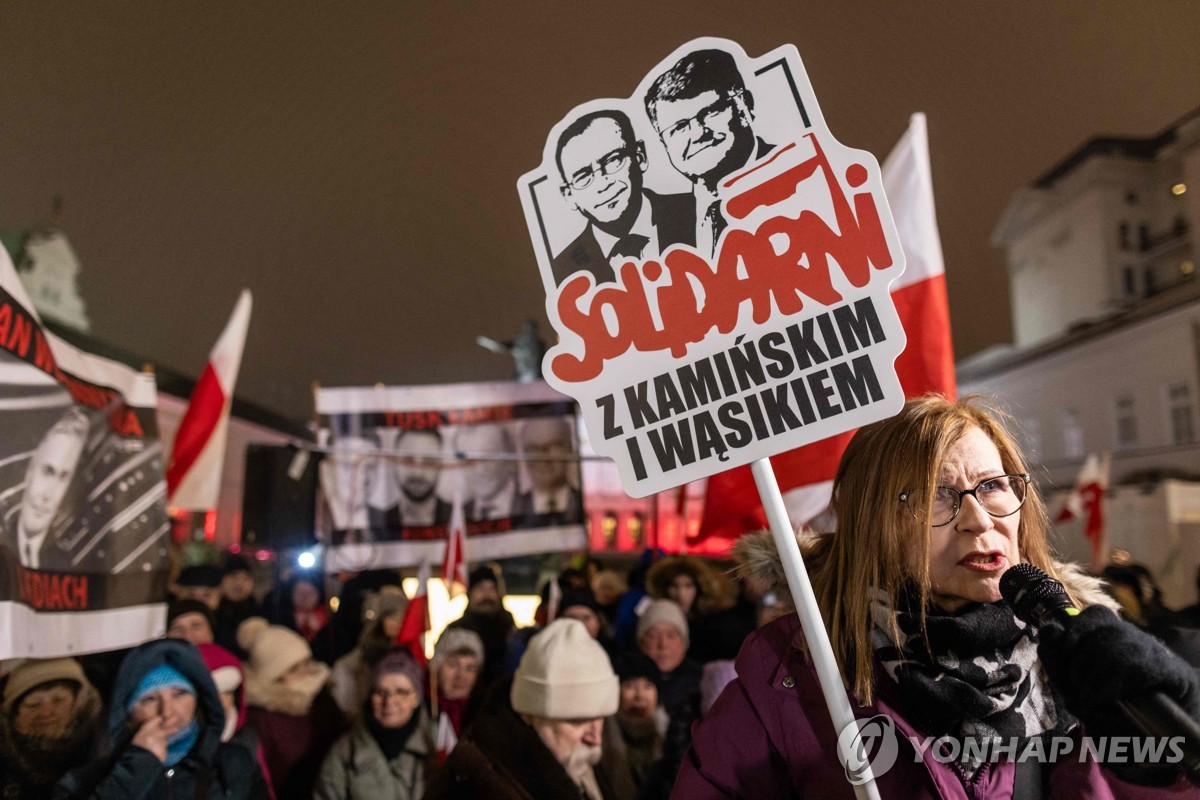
880, 547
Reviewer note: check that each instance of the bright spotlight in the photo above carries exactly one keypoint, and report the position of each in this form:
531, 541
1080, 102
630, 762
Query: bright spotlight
306, 560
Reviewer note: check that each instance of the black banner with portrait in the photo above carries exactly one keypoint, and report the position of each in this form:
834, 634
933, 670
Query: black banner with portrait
83, 522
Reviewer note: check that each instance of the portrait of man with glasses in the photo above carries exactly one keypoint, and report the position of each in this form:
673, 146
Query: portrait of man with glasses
602, 165
704, 115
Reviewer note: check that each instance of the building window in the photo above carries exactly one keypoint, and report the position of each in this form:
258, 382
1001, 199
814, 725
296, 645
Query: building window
637, 527
1126, 243
1072, 433
1130, 281
609, 529
1126, 423
1179, 401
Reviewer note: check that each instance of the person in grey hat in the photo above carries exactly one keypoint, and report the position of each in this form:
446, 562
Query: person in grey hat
457, 662
538, 734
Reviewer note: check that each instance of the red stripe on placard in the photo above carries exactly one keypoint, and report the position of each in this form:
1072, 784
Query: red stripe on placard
732, 506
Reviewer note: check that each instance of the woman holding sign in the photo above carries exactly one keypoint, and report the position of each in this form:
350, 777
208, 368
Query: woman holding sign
951, 689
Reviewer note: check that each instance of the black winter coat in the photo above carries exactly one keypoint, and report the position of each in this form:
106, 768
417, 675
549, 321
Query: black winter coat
210, 771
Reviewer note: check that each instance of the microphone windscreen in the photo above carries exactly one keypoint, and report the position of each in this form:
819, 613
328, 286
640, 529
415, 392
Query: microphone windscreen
1033, 594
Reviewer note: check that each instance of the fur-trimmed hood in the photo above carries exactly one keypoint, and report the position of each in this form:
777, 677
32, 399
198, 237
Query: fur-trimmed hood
294, 699
714, 590
757, 558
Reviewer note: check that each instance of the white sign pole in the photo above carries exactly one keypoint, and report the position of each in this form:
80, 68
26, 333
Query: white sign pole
810, 617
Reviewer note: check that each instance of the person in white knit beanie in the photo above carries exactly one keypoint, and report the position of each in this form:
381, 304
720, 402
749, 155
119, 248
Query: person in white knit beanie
546, 738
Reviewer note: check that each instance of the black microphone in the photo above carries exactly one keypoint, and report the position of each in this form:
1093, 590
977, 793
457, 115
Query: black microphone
1037, 599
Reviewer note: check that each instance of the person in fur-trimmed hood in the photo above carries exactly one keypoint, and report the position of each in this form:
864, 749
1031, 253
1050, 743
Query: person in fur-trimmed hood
289, 705
707, 596
48, 726
693, 583
933, 505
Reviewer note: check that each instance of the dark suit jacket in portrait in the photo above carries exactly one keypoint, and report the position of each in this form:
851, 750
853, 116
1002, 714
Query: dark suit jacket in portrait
387, 524
673, 216
8, 574
524, 515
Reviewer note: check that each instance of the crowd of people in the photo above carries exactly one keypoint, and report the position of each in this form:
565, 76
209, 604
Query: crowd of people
288, 696
683, 678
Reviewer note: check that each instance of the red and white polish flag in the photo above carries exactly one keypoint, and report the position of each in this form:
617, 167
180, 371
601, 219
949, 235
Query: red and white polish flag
732, 505
1086, 502
446, 740
194, 474
416, 619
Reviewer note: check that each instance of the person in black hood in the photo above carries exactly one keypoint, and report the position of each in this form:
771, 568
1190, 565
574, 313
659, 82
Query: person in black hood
165, 696
238, 603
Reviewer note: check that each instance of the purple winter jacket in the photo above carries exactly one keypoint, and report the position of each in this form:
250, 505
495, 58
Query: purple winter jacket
770, 736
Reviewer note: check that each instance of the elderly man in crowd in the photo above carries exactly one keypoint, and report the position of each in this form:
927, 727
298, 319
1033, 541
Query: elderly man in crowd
539, 735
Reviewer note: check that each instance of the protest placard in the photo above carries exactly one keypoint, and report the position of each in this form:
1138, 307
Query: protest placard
716, 266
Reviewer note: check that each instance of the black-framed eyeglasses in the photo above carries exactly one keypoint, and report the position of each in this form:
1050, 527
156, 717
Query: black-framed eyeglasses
610, 164
702, 118
1000, 496
383, 695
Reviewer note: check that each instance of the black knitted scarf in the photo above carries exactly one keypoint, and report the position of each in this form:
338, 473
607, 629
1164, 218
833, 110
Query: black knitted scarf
977, 676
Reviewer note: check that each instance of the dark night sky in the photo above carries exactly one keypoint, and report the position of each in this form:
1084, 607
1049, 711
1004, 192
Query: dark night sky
354, 164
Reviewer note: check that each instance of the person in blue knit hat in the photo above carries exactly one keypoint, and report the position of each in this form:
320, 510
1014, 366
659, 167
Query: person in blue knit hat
165, 722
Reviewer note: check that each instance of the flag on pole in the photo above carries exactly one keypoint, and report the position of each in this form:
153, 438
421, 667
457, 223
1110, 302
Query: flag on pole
416, 619
194, 473
454, 565
1086, 502
732, 505
446, 737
